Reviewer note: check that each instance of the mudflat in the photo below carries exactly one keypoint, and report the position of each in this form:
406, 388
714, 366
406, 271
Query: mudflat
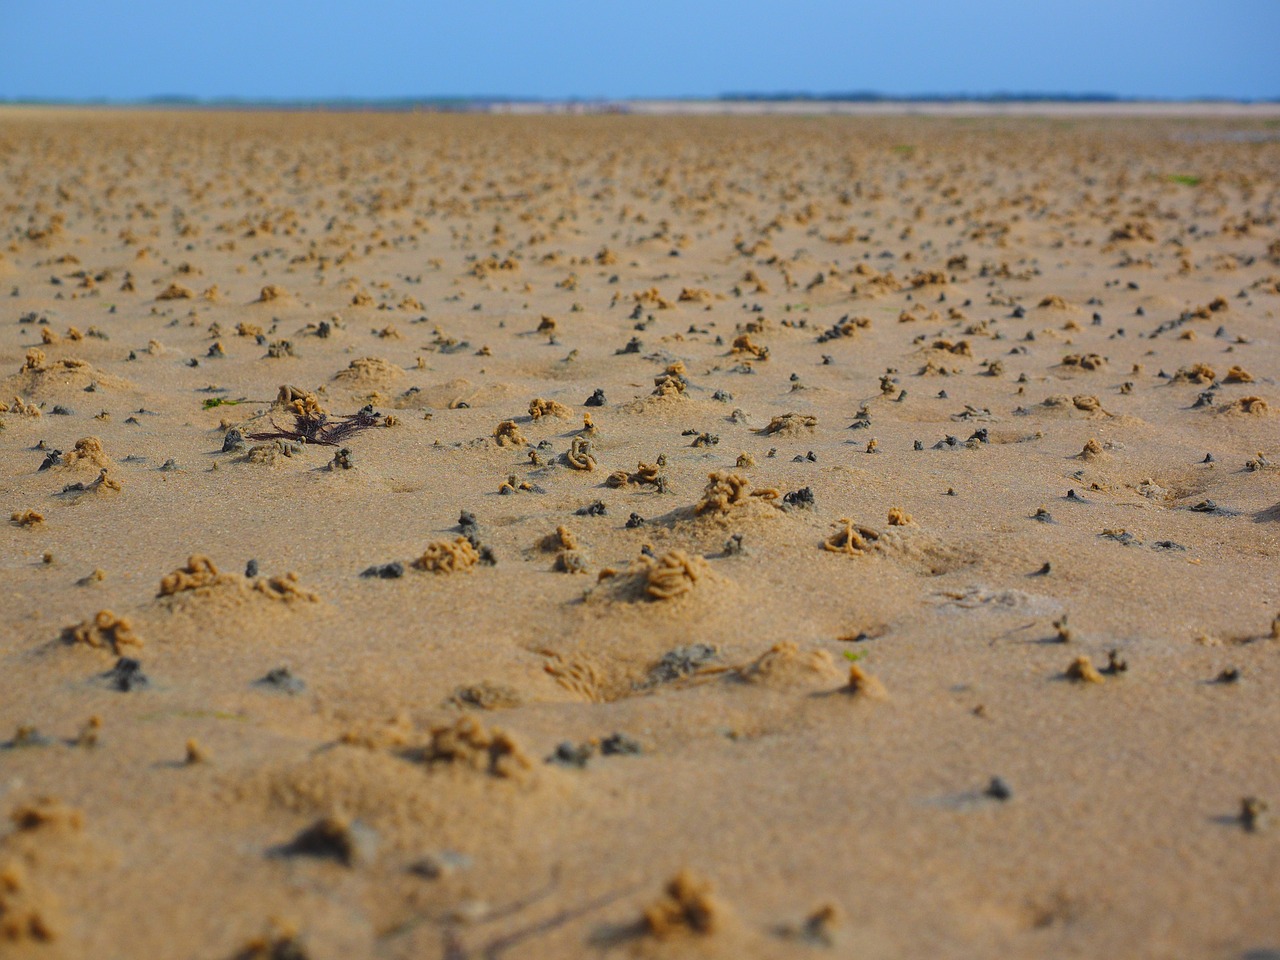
468, 536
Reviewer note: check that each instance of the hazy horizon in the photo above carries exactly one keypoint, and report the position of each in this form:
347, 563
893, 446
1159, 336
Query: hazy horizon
781, 96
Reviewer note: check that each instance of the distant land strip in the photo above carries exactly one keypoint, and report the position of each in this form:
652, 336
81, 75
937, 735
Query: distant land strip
855, 103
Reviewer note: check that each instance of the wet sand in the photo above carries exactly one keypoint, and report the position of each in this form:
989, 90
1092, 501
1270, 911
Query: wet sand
639, 536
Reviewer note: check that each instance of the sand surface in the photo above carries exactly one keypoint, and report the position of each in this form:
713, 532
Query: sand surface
816, 660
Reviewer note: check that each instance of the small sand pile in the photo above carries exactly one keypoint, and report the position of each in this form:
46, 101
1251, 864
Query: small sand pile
39, 377
687, 907
852, 539
1238, 374
87, 452
1133, 230
201, 577
176, 291
652, 298
645, 474
299, 402
742, 346
673, 574
579, 456
1084, 361
959, 348
1247, 406
1197, 373
27, 518
271, 293
26, 911
1082, 670
468, 744
47, 814
1062, 404
507, 434
726, 490
282, 942
928, 278
784, 665
863, 685
369, 372
486, 695
669, 386
580, 675
846, 326
448, 556
791, 425
561, 539
199, 573
539, 408
20, 407
102, 482
272, 454
285, 588
105, 631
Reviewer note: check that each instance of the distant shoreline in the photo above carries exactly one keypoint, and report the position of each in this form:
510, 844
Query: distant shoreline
745, 106
951, 108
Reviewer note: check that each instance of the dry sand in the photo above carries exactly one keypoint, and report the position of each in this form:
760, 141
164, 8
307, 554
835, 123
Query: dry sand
804, 308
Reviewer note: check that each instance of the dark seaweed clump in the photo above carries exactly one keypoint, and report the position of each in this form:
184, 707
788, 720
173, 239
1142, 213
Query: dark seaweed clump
311, 426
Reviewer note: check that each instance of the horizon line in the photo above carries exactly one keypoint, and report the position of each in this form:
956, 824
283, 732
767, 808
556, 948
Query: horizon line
467, 101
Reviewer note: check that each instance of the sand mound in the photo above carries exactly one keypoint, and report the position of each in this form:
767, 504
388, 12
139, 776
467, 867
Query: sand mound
784, 665
229, 600
105, 631
87, 455
1246, 407
459, 393
673, 584
448, 556
791, 425
539, 408
272, 293
688, 907
852, 539
40, 378
726, 491
468, 745
28, 912
46, 844
176, 291
274, 453
369, 372
408, 802
672, 575
1061, 405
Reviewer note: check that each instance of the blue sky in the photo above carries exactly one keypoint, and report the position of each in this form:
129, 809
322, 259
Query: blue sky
273, 49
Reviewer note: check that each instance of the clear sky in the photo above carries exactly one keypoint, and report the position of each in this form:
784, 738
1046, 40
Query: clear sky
285, 49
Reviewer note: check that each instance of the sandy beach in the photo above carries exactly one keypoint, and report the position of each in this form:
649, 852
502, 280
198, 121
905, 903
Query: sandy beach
639, 536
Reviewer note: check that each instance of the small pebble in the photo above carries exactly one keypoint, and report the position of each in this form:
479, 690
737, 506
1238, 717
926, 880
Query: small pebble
127, 675
384, 571
999, 789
